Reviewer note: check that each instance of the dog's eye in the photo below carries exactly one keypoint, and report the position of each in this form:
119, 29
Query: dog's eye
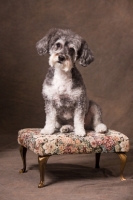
58, 45
71, 50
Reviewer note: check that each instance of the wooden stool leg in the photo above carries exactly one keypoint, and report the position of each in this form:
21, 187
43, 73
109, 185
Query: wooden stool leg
97, 156
23, 151
123, 160
42, 161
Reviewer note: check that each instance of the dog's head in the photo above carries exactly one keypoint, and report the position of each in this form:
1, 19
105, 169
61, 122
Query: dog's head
65, 48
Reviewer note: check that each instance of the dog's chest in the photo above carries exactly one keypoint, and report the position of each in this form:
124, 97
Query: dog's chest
60, 91
62, 86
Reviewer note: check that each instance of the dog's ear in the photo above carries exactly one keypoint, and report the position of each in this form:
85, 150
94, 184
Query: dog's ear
85, 55
43, 44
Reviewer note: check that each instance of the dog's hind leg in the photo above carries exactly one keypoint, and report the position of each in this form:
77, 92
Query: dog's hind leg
96, 118
100, 128
66, 129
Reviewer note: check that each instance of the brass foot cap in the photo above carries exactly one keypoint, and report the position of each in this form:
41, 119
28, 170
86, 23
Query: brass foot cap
123, 179
22, 171
41, 184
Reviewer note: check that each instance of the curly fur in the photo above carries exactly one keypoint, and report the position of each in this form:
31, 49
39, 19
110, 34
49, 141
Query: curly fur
67, 106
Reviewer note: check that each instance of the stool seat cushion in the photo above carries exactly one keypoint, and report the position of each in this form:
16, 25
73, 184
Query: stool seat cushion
69, 143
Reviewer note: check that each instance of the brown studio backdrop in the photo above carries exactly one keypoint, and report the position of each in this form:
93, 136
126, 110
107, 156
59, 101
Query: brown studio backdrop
107, 26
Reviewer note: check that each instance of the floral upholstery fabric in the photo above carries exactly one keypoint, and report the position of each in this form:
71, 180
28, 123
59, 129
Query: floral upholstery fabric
69, 143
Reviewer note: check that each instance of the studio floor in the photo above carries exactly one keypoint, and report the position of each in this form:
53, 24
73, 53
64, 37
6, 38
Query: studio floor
67, 176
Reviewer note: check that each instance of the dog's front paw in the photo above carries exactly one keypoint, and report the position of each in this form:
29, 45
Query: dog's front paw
46, 131
101, 128
80, 133
66, 129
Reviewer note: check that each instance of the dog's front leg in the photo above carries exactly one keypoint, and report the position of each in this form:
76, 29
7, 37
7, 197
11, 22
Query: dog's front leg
50, 123
79, 122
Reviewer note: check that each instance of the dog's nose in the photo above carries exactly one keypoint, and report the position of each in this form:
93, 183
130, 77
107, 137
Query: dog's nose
61, 58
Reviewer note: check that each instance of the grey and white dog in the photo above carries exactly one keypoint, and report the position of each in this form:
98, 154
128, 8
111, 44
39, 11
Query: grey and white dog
67, 106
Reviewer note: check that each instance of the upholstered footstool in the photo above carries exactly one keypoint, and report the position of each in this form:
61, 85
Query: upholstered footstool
59, 143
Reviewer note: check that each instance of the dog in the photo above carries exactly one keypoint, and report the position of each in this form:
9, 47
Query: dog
67, 106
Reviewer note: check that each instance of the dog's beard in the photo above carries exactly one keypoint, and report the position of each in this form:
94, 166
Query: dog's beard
65, 65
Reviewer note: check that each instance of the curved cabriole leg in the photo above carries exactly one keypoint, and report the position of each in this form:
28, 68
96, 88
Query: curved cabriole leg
42, 161
23, 151
97, 156
123, 160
